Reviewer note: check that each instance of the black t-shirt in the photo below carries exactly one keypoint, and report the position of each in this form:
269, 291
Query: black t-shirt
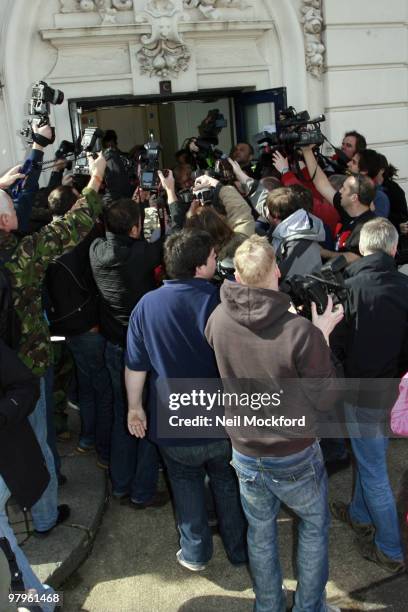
349, 228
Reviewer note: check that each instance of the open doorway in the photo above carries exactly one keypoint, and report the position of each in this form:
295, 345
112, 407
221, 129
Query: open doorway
171, 122
174, 118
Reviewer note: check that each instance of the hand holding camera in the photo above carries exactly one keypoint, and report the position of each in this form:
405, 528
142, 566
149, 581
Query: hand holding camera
167, 180
331, 317
280, 162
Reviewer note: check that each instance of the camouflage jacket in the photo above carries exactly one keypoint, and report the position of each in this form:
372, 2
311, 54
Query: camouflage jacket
28, 264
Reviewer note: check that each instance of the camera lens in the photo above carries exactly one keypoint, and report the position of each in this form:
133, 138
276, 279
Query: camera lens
58, 96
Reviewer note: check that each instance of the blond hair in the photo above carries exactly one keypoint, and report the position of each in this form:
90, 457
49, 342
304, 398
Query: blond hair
253, 260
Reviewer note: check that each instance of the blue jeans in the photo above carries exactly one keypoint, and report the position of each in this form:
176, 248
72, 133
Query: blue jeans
373, 501
187, 467
29, 578
51, 431
300, 482
94, 391
134, 463
44, 512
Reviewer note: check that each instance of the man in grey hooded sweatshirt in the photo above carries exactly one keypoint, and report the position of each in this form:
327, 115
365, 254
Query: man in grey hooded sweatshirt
256, 336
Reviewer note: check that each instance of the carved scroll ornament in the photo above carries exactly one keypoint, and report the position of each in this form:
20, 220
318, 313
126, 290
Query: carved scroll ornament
312, 19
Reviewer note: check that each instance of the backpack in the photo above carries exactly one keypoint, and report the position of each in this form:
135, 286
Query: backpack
10, 325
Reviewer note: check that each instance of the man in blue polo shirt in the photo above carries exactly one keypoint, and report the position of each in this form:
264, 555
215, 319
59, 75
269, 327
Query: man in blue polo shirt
166, 338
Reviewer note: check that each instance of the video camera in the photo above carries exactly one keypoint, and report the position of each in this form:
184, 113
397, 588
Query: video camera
149, 164
207, 143
293, 131
316, 288
42, 96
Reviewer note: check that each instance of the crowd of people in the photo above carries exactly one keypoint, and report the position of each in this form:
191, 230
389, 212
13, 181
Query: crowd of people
185, 281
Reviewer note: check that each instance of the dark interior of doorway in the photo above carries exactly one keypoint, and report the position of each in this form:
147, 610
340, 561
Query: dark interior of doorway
172, 118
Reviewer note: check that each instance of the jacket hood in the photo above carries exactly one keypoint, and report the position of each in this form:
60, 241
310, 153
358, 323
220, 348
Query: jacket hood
302, 225
253, 307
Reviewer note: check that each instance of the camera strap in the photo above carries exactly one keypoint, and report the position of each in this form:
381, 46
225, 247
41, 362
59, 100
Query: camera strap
17, 584
41, 140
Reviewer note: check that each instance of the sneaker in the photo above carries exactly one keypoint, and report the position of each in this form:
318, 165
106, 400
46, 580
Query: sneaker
371, 552
160, 499
85, 450
193, 567
102, 463
73, 405
340, 511
331, 608
63, 514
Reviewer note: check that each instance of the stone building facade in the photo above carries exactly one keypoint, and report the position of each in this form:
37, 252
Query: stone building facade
346, 59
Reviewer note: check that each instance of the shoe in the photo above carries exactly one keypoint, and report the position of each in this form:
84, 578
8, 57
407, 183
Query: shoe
64, 436
340, 511
331, 608
62, 479
63, 514
101, 463
371, 552
193, 567
332, 467
123, 498
73, 405
85, 450
160, 499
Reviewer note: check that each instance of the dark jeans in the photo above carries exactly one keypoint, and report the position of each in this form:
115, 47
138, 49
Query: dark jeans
134, 464
187, 467
94, 391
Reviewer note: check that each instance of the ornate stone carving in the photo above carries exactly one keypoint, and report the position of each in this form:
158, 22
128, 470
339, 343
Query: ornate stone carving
107, 9
164, 52
210, 8
312, 19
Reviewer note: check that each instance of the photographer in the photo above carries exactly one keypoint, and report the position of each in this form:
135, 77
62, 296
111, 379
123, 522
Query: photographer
369, 163
27, 262
275, 467
376, 342
353, 203
224, 198
123, 265
321, 207
23, 202
295, 233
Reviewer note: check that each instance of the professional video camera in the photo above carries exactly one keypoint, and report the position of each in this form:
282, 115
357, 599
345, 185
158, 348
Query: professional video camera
91, 143
207, 143
304, 290
293, 131
42, 96
149, 165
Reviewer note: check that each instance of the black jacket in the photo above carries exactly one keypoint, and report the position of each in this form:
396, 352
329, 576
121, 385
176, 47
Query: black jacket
22, 464
398, 202
123, 270
377, 329
72, 300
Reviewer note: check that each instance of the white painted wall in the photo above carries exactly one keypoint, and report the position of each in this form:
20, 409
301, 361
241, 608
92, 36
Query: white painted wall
366, 84
365, 87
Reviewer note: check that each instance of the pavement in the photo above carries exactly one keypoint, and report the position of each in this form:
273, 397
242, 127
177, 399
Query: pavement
130, 561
